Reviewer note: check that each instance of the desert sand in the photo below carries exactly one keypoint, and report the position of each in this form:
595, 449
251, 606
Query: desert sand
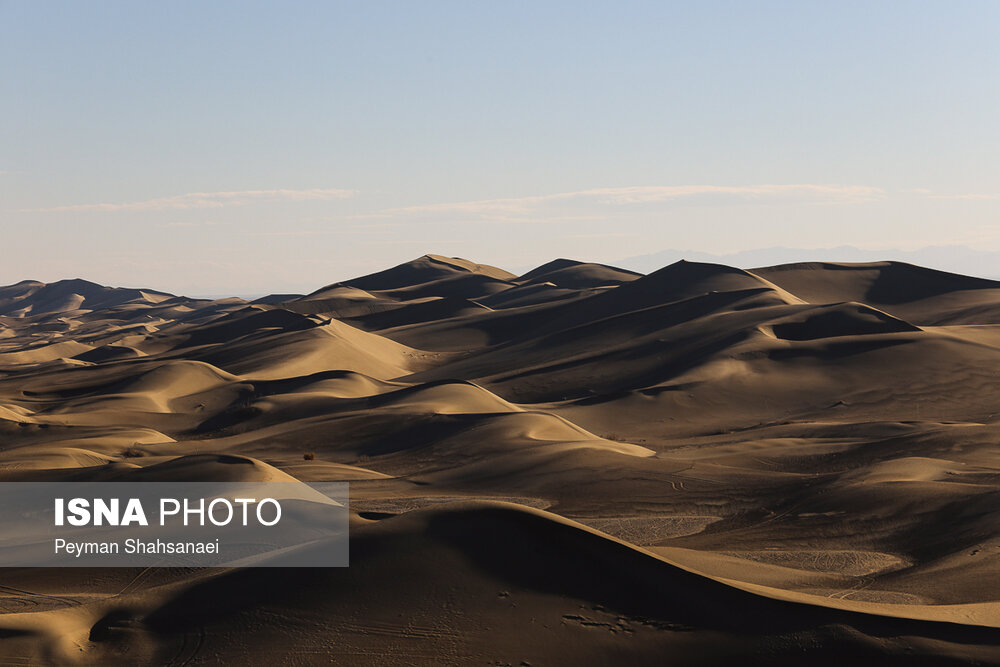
580, 465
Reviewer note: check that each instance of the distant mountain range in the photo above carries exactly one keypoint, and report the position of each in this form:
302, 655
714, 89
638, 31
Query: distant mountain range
956, 259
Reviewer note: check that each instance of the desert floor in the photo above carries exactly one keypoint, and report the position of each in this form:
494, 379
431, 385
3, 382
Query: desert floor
577, 466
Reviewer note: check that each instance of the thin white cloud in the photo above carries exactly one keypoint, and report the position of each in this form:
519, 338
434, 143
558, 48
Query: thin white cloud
978, 197
646, 194
608, 235
192, 223
299, 232
194, 200
650, 194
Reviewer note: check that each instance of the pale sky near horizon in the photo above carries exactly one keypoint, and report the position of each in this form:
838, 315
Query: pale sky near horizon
251, 147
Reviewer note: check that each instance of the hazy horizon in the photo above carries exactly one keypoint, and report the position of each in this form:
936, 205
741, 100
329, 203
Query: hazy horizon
953, 259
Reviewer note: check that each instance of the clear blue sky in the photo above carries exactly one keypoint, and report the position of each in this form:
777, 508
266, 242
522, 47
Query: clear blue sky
251, 147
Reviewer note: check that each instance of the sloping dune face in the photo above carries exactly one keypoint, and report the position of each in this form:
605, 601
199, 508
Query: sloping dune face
578, 465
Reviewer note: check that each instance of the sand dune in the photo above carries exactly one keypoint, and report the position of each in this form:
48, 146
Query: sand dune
924, 295
568, 274
578, 465
523, 586
33, 298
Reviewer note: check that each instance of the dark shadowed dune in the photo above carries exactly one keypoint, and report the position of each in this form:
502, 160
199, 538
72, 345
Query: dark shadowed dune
925, 296
568, 274
428, 268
